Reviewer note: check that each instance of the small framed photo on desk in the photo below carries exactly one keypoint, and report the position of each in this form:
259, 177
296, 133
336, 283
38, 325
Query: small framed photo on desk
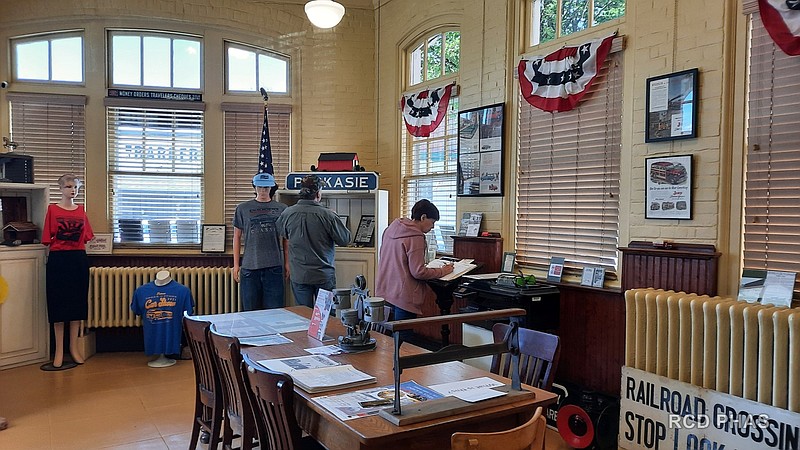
509, 258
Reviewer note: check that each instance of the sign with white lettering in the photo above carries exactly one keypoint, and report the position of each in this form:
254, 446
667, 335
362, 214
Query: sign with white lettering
156, 95
337, 181
661, 413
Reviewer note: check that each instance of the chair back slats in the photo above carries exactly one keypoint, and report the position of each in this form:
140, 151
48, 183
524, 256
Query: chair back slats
208, 400
380, 327
528, 436
539, 353
228, 358
272, 396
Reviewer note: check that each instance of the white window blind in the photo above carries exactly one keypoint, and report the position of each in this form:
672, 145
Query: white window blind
772, 218
243, 125
429, 172
568, 183
52, 129
155, 170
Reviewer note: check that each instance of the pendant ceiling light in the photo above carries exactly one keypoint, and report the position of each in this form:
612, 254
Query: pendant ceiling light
324, 13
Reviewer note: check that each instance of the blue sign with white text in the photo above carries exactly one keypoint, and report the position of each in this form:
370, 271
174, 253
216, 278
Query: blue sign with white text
339, 181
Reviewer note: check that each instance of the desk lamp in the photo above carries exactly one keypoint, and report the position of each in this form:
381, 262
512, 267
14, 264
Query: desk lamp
365, 310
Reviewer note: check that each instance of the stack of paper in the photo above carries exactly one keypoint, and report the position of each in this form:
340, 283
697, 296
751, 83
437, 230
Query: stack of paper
318, 373
459, 267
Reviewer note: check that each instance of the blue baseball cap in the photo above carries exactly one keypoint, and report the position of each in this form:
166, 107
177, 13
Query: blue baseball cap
264, 180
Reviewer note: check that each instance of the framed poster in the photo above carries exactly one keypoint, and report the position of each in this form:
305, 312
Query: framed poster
668, 187
480, 151
366, 228
213, 239
672, 106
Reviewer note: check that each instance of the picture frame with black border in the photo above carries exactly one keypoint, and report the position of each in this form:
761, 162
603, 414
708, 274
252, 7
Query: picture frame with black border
213, 238
509, 258
365, 230
480, 151
668, 187
671, 106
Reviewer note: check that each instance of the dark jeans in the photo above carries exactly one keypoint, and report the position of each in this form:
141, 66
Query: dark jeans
261, 288
306, 294
402, 314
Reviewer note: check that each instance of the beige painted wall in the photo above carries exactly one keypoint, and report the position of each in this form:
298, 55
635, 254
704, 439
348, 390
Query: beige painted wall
332, 73
660, 37
344, 101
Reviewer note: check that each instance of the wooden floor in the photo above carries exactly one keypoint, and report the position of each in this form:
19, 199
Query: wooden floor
113, 401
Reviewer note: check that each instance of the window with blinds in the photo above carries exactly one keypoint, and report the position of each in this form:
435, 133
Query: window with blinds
568, 183
155, 171
52, 129
429, 172
772, 219
243, 126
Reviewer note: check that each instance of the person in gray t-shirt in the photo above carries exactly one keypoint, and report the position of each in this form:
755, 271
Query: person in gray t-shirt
312, 231
263, 267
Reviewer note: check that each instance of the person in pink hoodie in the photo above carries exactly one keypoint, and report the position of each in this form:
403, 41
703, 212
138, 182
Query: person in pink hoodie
401, 271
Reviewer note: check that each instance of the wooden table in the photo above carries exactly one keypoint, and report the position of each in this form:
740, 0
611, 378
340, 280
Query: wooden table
375, 432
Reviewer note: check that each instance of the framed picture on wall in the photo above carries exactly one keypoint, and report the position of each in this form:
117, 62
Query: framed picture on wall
671, 106
668, 187
480, 151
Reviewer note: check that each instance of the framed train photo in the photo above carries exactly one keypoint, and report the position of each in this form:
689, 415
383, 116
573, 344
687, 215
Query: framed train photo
668, 187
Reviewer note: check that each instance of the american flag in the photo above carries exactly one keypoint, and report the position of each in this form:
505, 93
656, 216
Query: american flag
265, 152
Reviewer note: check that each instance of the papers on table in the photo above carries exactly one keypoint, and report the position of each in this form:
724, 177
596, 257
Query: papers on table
368, 402
318, 373
325, 350
472, 390
459, 267
262, 323
260, 341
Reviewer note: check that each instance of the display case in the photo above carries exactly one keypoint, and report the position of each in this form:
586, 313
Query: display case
23, 311
362, 207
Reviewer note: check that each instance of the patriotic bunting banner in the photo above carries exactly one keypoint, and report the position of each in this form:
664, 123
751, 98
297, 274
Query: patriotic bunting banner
265, 151
424, 112
558, 81
782, 20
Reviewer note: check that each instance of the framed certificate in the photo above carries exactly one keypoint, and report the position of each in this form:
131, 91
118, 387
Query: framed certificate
213, 239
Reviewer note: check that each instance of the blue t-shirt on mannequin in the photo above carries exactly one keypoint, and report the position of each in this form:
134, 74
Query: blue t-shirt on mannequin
161, 303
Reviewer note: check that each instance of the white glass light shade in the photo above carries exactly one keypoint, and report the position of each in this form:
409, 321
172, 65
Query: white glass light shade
324, 13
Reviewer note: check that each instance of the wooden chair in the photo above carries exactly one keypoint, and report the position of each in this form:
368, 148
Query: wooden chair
272, 398
208, 405
239, 414
529, 436
538, 359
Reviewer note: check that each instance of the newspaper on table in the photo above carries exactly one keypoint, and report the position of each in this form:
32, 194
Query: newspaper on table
256, 323
318, 373
472, 390
368, 402
261, 341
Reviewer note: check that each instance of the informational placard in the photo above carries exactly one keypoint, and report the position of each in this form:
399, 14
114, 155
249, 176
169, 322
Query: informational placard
101, 244
213, 239
661, 413
322, 311
767, 287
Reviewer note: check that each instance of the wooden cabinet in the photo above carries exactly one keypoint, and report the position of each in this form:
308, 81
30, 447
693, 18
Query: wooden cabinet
485, 250
23, 314
24, 328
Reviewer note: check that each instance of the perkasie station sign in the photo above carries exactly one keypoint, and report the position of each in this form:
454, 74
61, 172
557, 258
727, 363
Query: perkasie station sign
665, 414
338, 181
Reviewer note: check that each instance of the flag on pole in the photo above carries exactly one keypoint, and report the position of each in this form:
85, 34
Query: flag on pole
265, 151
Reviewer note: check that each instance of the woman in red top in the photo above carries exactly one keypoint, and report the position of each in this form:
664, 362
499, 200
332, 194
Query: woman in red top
66, 231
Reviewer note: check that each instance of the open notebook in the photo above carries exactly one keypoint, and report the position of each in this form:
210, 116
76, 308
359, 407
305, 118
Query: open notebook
318, 373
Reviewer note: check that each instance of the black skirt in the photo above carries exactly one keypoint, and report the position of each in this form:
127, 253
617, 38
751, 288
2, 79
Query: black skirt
67, 286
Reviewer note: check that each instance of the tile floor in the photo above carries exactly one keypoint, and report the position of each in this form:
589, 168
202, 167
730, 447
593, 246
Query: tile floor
113, 401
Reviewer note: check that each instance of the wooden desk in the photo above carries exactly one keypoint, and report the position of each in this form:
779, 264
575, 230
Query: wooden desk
375, 432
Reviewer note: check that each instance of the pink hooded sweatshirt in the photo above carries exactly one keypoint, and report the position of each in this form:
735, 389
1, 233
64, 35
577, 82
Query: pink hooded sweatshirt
401, 271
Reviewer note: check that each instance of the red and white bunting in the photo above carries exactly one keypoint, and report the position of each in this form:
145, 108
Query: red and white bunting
782, 20
423, 112
558, 81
